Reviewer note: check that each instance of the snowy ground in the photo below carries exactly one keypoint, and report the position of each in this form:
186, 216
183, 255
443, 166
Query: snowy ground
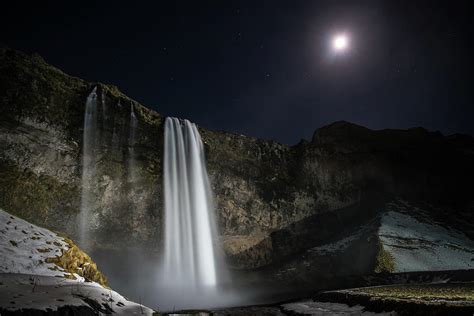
27, 281
24, 248
342, 244
418, 244
26, 291
302, 308
326, 309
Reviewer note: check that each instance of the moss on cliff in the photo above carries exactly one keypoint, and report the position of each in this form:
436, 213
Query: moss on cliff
33, 197
76, 261
384, 261
41, 140
36, 90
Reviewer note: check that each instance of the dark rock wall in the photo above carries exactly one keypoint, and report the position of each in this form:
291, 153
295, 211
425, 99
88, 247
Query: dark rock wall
261, 187
41, 130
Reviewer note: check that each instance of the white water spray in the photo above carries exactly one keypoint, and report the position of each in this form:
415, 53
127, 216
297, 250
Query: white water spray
190, 255
88, 167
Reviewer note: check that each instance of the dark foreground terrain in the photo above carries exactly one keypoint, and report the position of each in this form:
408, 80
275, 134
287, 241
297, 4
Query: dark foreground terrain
400, 299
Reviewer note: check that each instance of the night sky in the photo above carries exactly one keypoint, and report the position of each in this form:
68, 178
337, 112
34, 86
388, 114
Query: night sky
266, 68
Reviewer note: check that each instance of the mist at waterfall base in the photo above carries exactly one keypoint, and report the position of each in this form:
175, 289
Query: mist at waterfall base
135, 274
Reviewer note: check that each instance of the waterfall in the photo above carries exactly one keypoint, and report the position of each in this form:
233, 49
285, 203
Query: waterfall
131, 145
88, 166
189, 232
104, 110
115, 133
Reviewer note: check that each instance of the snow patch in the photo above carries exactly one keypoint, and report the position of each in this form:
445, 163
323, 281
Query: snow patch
323, 309
27, 281
23, 291
342, 244
418, 244
24, 247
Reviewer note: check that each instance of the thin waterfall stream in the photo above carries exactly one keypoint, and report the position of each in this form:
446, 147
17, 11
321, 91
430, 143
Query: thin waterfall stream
131, 146
88, 167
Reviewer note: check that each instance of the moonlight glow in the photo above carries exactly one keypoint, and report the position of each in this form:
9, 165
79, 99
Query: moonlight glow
340, 43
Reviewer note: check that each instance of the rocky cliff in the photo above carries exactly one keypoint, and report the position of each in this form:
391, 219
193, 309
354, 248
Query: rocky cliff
273, 201
41, 145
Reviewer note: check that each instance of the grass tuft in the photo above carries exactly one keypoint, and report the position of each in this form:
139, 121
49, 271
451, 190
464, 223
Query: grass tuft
76, 261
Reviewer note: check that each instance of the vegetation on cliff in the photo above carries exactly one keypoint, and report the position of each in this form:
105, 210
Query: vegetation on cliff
384, 261
34, 198
76, 261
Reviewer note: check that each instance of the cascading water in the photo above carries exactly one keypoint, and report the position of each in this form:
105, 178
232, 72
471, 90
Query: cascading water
88, 166
189, 254
116, 131
131, 145
104, 110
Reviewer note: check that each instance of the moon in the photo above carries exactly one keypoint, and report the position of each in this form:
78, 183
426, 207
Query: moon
340, 42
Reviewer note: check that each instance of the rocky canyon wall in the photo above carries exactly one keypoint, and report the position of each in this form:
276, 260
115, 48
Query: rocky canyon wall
261, 187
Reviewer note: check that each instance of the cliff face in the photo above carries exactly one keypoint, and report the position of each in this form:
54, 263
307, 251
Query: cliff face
41, 154
262, 188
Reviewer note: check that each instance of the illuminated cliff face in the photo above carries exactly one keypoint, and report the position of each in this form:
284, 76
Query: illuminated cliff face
260, 186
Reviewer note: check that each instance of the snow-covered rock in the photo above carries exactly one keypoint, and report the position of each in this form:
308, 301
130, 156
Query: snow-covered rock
418, 243
25, 248
39, 292
30, 278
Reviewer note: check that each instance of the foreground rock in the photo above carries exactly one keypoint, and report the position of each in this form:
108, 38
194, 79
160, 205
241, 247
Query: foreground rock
415, 240
409, 299
298, 308
28, 249
325, 309
374, 237
43, 273
26, 294
400, 299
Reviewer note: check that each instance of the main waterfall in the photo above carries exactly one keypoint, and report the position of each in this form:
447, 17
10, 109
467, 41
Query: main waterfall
189, 254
